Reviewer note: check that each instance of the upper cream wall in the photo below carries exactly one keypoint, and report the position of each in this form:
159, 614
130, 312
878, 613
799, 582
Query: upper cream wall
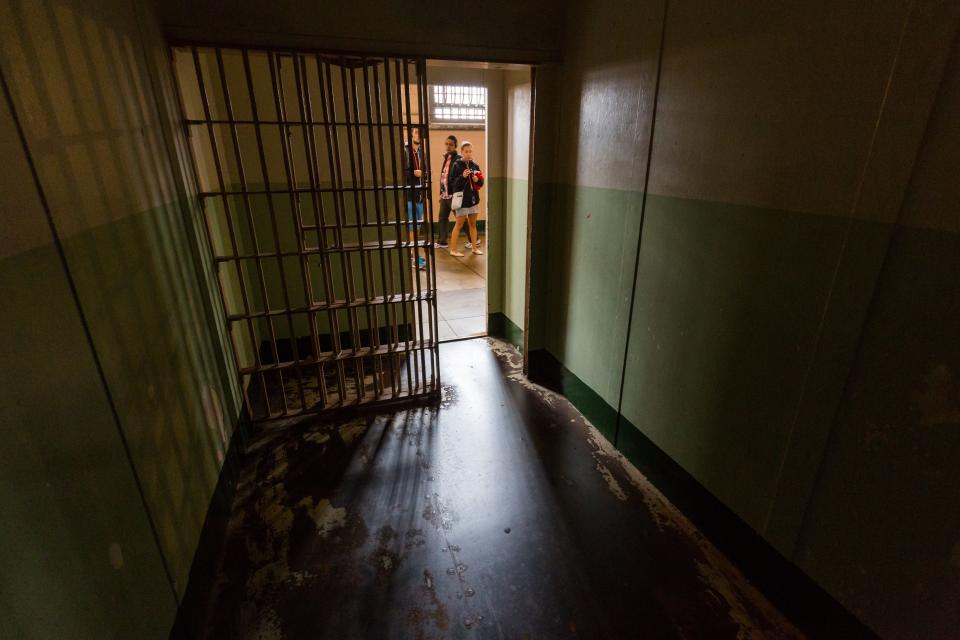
497, 30
77, 73
19, 208
793, 105
517, 142
782, 111
607, 95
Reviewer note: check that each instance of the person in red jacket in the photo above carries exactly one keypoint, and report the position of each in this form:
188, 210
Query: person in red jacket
466, 179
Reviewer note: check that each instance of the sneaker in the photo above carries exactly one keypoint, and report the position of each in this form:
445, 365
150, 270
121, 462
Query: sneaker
469, 245
443, 244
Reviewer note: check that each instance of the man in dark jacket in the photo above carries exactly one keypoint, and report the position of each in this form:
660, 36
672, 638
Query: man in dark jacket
413, 171
446, 194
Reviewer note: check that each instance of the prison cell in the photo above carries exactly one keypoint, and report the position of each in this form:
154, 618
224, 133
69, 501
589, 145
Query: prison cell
300, 161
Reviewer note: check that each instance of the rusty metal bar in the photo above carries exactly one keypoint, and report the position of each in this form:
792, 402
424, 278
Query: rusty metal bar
419, 311
359, 206
254, 192
329, 114
265, 172
376, 203
235, 139
310, 145
276, 83
178, 82
301, 123
390, 310
383, 106
400, 210
366, 253
301, 242
218, 166
428, 196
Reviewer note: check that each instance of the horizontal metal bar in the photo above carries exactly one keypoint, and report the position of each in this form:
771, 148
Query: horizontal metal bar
347, 354
312, 251
280, 192
396, 298
301, 123
383, 398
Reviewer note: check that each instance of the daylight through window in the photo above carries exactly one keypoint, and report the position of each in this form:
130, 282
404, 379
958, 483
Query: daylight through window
462, 105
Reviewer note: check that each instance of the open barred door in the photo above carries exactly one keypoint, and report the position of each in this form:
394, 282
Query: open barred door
314, 219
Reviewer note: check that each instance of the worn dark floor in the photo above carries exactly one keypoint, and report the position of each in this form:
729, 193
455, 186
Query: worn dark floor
500, 514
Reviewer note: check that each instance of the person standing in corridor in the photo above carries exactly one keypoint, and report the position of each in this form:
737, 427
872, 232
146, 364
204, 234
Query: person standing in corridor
466, 183
413, 159
446, 194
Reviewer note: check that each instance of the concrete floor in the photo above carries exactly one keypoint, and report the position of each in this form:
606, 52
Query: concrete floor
461, 293
499, 514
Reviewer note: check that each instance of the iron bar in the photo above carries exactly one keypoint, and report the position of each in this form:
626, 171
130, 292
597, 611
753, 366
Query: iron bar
416, 227
354, 122
400, 209
330, 110
228, 217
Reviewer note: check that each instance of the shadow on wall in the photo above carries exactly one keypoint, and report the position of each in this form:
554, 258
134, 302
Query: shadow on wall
86, 84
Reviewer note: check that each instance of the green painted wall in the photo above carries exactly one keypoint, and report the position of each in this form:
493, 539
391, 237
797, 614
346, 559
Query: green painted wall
890, 476
728, 303
78, 556
90, 83
731, 315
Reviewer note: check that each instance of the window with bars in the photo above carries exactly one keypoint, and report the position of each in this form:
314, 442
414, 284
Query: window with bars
458, 105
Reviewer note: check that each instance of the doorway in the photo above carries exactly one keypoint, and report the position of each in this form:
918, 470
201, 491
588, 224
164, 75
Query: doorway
488, 107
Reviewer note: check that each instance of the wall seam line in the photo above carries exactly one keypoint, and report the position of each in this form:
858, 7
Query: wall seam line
830, 294
86, 327
643, 211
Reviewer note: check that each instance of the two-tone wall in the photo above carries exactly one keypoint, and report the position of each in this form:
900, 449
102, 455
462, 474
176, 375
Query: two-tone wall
117, 404
718, 248
509, 127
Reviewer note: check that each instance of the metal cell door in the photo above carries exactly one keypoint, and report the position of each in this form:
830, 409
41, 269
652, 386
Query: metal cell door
311, 189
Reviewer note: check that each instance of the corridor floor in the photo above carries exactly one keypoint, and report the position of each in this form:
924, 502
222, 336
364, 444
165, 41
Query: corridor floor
461, 293
499, 514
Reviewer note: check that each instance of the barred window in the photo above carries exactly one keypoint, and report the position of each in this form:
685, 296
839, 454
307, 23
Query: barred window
459, 105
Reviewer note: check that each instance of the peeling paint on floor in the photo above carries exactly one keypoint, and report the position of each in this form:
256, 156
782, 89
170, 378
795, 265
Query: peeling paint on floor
500, 513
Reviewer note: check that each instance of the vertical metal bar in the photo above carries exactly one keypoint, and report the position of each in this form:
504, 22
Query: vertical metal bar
393, 131
341, 223
229, 218
390, 309
241, 378
356, 168
416, 234
228, 105
325, 256
265, 172
428, 194
377, 186
298, 69
310, 145
284, 129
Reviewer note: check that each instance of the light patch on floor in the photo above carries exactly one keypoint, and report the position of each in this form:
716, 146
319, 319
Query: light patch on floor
716, 571
352, 430
327, 517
